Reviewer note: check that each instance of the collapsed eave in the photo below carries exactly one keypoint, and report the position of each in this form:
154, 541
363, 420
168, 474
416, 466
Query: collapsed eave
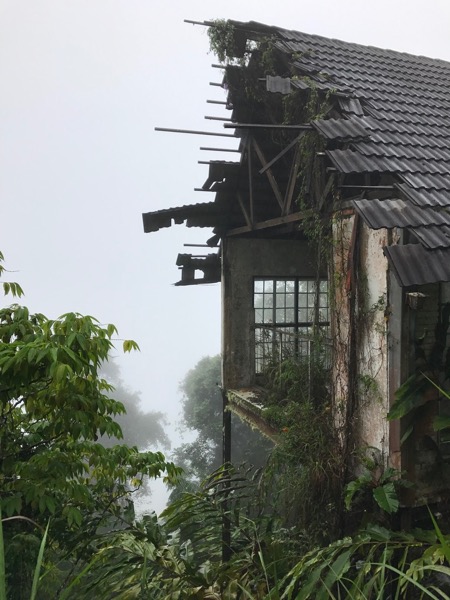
247, 404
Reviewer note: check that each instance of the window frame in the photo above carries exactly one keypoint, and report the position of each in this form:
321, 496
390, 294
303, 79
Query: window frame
275, 338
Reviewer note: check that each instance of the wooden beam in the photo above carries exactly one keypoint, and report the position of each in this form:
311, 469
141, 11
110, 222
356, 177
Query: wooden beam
367, 187
194, 132
270, 176
211, 118
248, 220
282, 153
250, 176
326, 191
266, 126
298, 216
219, 149
292, 181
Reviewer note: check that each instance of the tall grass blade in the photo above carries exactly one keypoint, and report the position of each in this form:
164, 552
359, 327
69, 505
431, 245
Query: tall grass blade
444, 543
37, 570
2, 563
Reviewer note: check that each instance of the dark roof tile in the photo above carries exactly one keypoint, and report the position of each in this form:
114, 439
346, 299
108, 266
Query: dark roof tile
399, 213
414, 265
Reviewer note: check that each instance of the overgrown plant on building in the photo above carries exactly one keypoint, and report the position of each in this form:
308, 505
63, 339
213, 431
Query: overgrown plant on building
306, 465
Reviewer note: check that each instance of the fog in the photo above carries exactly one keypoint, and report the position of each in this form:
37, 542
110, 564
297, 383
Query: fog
84, 83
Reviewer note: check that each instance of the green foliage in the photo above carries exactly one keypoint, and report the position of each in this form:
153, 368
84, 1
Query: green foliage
373, 565
38, 566
9, 287
181, 556
227, 42
376, 489
54, 407
423, 386
306, 465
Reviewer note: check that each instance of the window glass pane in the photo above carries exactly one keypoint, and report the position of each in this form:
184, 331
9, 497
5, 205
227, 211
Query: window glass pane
258, 300
302, 287
302, 300
268, 286
280, 300
258, 286
258, 316
290, 285
323, 316
280, 315
303, 315
290, 315
324, 285
267, 317
281, 286
290, 300
268, 300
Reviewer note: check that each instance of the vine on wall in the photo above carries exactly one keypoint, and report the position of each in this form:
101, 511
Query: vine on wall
324, 458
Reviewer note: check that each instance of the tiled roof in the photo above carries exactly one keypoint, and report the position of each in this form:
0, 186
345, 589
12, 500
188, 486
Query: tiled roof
403, 128
391, 119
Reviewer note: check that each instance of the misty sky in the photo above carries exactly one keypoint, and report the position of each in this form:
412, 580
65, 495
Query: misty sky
84, 83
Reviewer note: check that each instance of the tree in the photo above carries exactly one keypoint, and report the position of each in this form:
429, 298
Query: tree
139, 428
54, 407
202, 412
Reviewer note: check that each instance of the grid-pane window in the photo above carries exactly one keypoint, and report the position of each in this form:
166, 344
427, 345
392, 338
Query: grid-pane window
287, 311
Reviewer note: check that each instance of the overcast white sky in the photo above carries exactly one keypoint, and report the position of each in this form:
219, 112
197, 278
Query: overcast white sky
83, 84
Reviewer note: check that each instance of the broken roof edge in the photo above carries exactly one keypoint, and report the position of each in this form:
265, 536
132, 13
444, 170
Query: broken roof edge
160, 219
292, 35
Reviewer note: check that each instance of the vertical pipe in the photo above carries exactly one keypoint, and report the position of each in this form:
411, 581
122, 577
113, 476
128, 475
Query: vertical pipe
226, 456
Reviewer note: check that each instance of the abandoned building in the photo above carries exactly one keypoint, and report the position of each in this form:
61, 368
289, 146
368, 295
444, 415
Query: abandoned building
334, 224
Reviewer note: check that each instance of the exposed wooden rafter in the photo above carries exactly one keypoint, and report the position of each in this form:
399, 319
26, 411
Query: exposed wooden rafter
292, 218
282, 153
269, 173
292, 181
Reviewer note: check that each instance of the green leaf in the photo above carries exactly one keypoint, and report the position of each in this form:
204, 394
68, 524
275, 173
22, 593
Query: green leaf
386, 498
441, 422
129, 345
339, 567
2, 563
37, 570
355, 486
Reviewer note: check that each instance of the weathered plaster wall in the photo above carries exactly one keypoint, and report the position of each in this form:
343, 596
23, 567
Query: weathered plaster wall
373, 384
360, 365
244, 259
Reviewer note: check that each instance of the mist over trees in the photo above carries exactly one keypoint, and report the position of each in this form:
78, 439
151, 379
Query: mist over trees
202, 414
144, 429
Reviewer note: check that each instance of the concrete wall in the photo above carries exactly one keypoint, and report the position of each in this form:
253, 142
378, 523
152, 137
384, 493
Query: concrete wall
243, 260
